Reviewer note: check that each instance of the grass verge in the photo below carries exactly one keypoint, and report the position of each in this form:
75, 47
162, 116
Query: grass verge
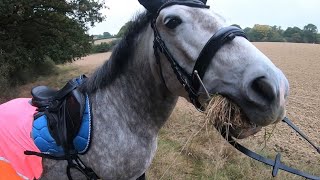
185, 154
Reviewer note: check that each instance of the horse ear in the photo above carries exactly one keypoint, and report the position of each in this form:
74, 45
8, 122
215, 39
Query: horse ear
151, 5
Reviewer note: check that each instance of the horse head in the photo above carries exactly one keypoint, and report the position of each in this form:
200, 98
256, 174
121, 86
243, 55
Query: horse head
186, 32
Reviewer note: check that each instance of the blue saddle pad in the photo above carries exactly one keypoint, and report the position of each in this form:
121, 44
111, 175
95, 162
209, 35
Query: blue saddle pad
47, 145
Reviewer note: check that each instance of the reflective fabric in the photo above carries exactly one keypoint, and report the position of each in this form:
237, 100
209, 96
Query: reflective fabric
16, 117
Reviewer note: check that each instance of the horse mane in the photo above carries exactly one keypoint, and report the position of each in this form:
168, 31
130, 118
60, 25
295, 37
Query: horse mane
119, 59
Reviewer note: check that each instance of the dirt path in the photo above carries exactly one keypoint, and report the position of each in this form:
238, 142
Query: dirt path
89, 63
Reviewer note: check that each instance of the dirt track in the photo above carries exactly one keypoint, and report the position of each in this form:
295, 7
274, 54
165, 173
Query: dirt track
92, 62
99, 41
301, 64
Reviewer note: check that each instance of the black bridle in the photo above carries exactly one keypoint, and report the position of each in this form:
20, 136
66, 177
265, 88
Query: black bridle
192, 82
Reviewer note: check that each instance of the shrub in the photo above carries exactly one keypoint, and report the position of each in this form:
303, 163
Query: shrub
104, 47
9, 81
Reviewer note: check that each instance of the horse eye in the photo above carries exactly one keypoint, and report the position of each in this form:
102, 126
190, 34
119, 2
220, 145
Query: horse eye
173, 22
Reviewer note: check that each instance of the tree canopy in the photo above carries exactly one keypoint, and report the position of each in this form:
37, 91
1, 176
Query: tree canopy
34, 30
105, 35
309, 34
258, 33
123, 29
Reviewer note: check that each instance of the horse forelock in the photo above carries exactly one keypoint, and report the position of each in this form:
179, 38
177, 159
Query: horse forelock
120, 56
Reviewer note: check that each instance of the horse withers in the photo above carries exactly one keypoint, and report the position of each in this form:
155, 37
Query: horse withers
134, 92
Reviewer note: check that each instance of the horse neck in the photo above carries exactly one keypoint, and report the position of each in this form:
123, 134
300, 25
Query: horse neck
140, 97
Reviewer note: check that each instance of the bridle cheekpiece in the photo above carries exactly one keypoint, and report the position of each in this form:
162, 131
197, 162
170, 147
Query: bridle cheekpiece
192, 82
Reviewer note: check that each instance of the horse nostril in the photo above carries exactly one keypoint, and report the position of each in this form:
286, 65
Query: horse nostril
264, 88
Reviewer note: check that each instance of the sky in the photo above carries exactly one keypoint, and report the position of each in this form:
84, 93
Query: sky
246, 13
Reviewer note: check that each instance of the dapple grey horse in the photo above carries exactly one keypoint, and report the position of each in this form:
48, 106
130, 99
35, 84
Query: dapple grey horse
132, 97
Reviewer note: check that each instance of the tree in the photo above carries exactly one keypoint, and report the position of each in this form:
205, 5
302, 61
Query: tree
294, 34
107, 35
34, 30
276, 34
310, 33
247, 30
260, 32
311, 28
123, 29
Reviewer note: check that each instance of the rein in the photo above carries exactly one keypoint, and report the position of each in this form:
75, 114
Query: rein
192, 82
276, 164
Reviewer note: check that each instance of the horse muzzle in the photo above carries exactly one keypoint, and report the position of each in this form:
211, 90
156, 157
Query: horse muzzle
264, 94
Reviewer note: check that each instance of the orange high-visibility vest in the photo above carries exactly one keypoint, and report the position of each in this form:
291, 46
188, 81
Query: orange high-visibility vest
7, 172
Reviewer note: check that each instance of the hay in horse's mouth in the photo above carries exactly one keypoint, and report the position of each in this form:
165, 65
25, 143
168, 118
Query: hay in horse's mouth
227, 116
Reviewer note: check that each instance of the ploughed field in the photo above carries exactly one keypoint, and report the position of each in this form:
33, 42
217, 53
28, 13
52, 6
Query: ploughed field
189, 149
301, 65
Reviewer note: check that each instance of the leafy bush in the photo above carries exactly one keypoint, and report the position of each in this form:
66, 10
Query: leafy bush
9, 81
266, 33
32, 30
26, 74
104, 47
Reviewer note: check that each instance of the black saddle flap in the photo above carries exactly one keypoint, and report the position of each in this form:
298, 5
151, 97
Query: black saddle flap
64, 110
65, 118
74, 108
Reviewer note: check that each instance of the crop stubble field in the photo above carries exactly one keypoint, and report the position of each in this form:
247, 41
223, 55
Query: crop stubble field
188, 150
301, 64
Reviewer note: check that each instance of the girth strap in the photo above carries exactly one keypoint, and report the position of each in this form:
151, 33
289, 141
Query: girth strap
74, 162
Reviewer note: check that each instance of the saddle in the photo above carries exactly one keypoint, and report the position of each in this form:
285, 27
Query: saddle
63, 108
61, 127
